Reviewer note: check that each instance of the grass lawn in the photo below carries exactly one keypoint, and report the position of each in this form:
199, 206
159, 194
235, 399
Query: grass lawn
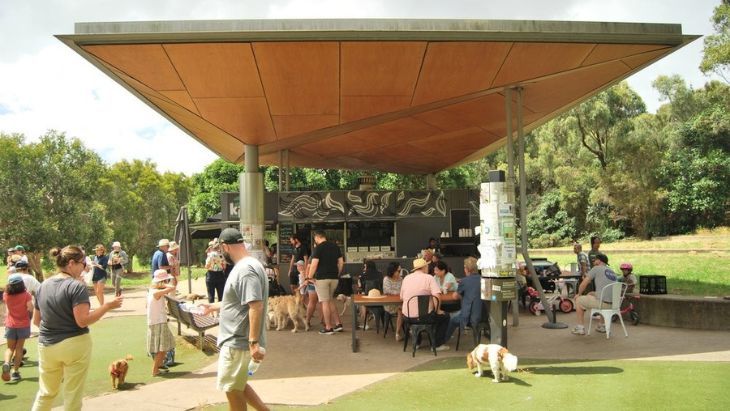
109, 343
445, 384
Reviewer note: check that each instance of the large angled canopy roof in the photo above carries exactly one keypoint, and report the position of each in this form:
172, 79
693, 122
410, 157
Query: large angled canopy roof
409, 96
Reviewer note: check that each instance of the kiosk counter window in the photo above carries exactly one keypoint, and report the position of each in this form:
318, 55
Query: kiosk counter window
370, 239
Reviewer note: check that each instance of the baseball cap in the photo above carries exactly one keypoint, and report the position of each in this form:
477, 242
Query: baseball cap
19, 248
15, 279
230, 236
21, 264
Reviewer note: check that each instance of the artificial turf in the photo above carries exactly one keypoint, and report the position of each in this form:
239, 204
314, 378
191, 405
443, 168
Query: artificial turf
112, 338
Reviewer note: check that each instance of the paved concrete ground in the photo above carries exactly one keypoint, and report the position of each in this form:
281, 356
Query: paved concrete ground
309, 369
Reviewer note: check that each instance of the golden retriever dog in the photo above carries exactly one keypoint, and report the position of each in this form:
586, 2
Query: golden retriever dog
289, 307
118, 371
499, 359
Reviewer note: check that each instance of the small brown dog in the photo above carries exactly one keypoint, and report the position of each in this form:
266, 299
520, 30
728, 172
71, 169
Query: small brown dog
118, 371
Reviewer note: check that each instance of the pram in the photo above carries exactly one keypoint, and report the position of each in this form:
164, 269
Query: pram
275, 289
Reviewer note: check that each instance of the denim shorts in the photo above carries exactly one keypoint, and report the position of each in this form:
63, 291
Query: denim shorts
17, 333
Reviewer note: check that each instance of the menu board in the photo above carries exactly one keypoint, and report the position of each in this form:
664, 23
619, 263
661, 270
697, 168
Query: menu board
286, 230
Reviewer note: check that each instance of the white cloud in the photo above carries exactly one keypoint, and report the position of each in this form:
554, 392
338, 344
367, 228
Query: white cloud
44, 85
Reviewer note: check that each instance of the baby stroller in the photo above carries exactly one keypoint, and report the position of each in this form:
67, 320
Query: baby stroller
275, 289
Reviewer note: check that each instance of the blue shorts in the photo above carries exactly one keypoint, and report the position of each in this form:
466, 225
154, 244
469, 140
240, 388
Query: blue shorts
17, 333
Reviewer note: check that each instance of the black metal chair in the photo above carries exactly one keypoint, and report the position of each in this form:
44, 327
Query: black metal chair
481, 328
422, 321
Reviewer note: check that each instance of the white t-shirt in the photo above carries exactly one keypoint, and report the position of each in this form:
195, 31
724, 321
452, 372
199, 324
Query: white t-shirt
31, 284
156, 313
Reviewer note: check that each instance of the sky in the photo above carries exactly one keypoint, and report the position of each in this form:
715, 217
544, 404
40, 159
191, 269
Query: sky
45, 85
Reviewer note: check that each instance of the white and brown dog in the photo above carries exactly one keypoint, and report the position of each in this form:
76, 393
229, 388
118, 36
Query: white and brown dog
499, 359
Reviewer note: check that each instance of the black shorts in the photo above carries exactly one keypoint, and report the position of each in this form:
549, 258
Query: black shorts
294, 279
95, 278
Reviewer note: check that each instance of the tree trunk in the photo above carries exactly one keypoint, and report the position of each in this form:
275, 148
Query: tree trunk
130, 265
35, 266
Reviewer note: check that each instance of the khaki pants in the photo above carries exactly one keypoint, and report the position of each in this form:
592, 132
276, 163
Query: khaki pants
67, 361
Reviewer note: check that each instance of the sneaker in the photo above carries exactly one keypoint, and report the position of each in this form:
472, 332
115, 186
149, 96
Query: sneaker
579, 330
164, 367
443, 347
601, 329
325, 331
6, 372
15, 377
338, 328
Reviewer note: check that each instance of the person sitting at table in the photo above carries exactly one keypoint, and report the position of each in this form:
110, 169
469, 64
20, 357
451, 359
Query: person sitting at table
445, 280
470, 293
391, 286
419, 282
370, 279
428, 257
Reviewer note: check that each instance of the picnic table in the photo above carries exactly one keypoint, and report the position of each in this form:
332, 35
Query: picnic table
365, 301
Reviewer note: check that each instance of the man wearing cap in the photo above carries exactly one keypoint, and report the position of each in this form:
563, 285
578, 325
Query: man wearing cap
603, 275
118, 259
325, 268
20, 250
159, 258
242, 334
419, 282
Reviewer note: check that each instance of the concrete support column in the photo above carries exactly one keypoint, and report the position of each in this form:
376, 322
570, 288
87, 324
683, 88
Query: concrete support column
251, 185
430, 181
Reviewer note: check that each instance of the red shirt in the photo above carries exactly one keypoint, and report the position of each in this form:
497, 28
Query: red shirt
17, 310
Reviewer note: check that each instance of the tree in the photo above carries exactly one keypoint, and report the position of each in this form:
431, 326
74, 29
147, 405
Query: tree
220, 176
50, 196
142, 204
716, 58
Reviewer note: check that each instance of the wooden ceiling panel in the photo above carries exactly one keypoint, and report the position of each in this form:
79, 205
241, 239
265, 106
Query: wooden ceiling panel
541, 96
216, 69
468, 140
453, 69
531, 60
380, 69
147, 63
608, 52
485, 112
182, 98
638, 60
247, 119
300, 77
359, 107
212, 137
287, 126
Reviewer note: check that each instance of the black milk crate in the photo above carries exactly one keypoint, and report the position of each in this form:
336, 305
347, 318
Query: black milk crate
653, 284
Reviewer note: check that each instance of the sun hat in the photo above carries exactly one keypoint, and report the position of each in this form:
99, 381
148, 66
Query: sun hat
374, 292
116, 244
230, 236
161, 275
15, 279
173, 246
163, 242
419, 263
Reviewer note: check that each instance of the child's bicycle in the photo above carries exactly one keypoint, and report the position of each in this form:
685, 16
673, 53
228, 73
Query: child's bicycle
560, 299
628, 310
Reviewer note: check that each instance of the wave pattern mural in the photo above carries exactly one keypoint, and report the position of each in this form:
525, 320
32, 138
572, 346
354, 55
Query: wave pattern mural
362, 205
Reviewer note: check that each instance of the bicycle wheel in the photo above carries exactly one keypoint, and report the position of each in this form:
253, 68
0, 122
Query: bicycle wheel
566, 306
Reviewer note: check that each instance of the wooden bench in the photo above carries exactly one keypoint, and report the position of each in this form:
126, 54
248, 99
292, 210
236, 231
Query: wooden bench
199, 323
